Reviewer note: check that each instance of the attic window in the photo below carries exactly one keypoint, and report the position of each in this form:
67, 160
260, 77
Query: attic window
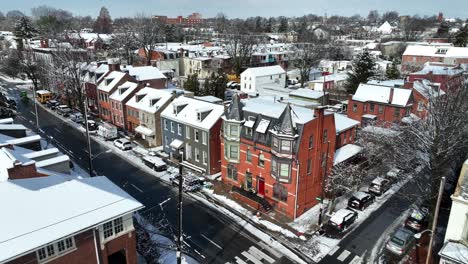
139, 97
441, 51
108, 81
203, 113
134, 76
178, 106
123, 90
154, 101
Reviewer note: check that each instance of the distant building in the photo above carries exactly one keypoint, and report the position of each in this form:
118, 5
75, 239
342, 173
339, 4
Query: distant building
415, 56
380, 105
254, 79
191, 20
442, 73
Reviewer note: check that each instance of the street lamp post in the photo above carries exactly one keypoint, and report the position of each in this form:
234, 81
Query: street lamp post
35, 107
88, 139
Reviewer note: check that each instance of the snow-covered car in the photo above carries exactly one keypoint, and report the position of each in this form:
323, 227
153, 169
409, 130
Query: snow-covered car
231, 84
154, 163
340, 221
400, 242
77, 117
63, 110
123, 144
418, 219
92, 126
379, 186
52, 104
190, 183
394, 175
360, 200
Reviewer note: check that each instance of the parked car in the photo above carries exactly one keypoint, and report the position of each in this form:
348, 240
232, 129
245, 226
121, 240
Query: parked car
190, 184
63, 110
340, 221
418, 219
52, 104
154, 163
361, 200
77, 117
92, 126
231, 84
123, 144
400, 242
107, 131
394, 175
379, 186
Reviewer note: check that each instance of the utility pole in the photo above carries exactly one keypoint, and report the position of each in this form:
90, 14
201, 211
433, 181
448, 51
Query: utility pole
179, 222
434, 222
88, 139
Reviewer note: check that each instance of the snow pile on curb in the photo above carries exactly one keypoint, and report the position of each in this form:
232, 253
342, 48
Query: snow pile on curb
14, 80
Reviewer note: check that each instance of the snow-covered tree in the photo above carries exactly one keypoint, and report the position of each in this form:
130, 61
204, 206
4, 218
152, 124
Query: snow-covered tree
307, 56
392, 71
148, 33
240, 49
435, 144
364, 68
24, 30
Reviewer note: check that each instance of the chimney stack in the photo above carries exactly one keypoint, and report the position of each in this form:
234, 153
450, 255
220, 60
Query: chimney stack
114, 64
390, 98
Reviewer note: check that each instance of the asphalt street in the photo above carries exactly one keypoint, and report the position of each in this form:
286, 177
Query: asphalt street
210, 236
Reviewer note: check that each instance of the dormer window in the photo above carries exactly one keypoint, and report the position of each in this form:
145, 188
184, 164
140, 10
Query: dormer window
154, 101
108, 81
123, 90
139, 97
203, 113
178, 107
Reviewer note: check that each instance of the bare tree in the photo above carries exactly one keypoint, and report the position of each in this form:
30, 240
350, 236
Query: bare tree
124, 44
148, 33
307, 56
240, 49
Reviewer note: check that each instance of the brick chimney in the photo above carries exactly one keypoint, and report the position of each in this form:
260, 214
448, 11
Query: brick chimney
390, 98
44, 43
114, 64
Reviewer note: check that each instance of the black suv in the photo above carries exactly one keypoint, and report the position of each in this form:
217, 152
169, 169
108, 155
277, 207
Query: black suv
361, 200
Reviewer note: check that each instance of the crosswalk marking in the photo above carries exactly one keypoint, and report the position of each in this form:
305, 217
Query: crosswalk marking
240, 261
251, 258
356, 260
333, 251
253, 249
343, 255
274, 253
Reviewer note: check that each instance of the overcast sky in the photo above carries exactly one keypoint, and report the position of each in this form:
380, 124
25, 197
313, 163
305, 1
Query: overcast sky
246, 8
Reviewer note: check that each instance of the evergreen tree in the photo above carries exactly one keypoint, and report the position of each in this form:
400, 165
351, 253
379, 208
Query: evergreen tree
192, 84
461, 38
283, 26
103, 22
392, 72
24, 30
363, 70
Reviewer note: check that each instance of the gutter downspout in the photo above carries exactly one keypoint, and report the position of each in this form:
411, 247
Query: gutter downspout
96, 247
297, 187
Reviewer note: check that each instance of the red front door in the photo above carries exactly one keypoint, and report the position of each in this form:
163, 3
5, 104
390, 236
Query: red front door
261, 186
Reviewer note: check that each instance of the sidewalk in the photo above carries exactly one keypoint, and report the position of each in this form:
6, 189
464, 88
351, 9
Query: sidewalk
418, 254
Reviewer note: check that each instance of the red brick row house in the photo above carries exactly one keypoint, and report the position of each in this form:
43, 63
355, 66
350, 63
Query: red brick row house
415, 56
107, 85
118, 100
444, 74
380, 105
278, 152
424, 92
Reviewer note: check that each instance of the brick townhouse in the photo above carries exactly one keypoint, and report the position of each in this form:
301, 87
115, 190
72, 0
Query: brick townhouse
444, 74
424, 92
415, 56
277, 152
146, 75
86, 220
106, 87
379, 104
90, 76
118, 100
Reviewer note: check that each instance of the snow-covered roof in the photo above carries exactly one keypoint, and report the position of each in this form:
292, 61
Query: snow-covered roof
438, 68
436, 51
7, 161
12, 127
336, 77
123, 91
381, 94
264, 71
210, 99
19, 141
428, 89
307, 93
40, 153
385, 28
5, 121
342, 123
78, 205
144, 73
103, 68
149, 96
454, 251
52, 161
189, 114
115, 76
144, 130
269, 107
393, 83
346, 152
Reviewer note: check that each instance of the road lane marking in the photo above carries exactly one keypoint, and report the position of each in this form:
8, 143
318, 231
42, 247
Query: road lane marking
343, 255
140, 190
251, 258
58, 130
240, 261
211, 241
333, 251
254, 250
196, 251
356, 260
